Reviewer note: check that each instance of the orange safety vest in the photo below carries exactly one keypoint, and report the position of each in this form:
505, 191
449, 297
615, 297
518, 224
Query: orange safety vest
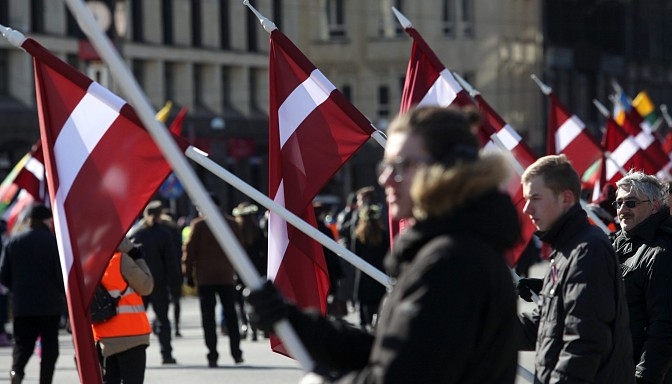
131, 318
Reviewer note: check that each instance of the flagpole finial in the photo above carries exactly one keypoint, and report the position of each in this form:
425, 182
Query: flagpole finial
616, 86
465, 84
666, 115
268, 25
600, 107
402, 19
544, 88
16, 38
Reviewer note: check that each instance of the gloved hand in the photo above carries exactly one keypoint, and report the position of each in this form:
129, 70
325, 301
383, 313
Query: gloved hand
267, 306
126, 245
525, 287
190, 282
136, 253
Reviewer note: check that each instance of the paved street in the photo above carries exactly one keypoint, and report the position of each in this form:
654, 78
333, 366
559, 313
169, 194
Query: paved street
261, 365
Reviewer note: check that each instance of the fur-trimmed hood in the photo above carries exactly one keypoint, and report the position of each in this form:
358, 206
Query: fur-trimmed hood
437, 190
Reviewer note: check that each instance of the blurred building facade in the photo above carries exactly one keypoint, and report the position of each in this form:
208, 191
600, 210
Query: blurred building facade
212, 57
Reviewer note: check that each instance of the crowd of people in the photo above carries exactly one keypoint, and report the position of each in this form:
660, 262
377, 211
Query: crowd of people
603, 311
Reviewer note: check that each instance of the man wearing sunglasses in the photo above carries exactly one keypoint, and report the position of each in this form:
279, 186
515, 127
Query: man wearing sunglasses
644, 248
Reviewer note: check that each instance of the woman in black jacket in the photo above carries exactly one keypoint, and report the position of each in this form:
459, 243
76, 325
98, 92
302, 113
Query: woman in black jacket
451, 316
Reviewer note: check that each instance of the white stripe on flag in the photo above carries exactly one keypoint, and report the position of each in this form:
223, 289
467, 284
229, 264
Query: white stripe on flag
278, 240
644, 140
509, 137
622, 154
567, 132
443, 91
35, 167
87, 124
301, 102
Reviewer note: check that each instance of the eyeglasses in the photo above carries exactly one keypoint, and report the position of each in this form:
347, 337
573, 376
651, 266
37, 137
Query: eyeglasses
628, 203
398, 167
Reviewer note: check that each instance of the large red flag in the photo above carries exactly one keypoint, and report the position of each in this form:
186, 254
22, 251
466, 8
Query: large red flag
313, 131
567, 134
636, 126
102, 169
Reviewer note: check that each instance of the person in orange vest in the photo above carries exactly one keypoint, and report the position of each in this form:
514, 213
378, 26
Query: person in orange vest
122, 340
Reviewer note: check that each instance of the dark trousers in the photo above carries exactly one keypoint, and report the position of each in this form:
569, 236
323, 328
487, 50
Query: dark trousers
160, 301
26, 331
126, 367
227, 296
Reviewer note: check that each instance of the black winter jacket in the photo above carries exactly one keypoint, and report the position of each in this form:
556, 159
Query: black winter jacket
646, 256
581, 327
451, 317
31, 269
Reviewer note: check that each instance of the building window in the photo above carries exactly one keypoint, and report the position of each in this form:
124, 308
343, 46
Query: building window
138, 70
448, 18
252, 28
37, 16
383, 102
254, 92
167, 9
4, 72
198, 85
346, 90
336, 18
196, 22
277, 13
226, 87
224, 24
467, 18
388, 25
398, 29
137, 21
168, 85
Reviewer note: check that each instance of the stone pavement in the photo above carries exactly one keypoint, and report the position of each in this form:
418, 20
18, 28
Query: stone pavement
261, 366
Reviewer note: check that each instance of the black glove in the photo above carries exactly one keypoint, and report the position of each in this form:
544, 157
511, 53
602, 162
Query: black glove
267, 306
525, 287
136, 253
190, 281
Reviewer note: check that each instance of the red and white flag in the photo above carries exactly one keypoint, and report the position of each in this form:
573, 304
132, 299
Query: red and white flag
27, 185
636, 126
313, 131
624, 154
568, 135
176, 125
102, 169
524, 155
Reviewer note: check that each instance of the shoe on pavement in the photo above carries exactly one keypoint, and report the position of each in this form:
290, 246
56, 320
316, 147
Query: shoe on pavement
238, 360
169, 360
212, 364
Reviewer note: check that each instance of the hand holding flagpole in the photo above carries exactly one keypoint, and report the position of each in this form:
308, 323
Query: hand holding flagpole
170, 150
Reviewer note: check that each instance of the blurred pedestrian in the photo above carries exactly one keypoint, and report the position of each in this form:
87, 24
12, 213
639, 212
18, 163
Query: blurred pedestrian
158, 248
31, 269
122, 340
207, 266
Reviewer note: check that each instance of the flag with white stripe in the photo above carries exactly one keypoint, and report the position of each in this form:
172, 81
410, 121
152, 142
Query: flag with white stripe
313, 131
568, 135
102, 169
624, 153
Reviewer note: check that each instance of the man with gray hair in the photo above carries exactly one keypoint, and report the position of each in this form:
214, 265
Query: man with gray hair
644, 249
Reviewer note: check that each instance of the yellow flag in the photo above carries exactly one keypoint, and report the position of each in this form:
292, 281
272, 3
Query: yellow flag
162, 114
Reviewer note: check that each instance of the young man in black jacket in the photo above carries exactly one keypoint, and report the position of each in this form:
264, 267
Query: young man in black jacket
580, 328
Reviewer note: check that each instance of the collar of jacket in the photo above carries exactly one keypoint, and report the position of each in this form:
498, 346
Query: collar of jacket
648, 229
492, 216
567, 226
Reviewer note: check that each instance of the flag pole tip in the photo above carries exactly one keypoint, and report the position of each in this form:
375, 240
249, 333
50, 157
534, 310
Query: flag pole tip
400, 16
15, 37
267, 24
545, 89
465, 84
600, 107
